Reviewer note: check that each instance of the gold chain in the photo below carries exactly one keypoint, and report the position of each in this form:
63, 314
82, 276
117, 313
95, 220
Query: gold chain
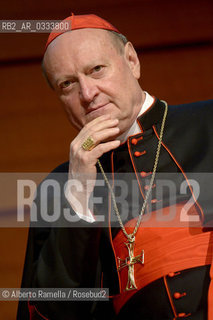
131, 237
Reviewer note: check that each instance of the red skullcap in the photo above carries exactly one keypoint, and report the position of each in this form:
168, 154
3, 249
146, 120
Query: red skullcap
81, 22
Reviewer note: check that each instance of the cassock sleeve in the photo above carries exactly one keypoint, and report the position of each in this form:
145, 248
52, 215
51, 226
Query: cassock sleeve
60, 257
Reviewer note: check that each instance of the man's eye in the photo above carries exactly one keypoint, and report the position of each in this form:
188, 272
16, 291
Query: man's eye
65, 84
97, 68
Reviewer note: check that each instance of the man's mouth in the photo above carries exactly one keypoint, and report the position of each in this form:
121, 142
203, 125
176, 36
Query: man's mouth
95, 108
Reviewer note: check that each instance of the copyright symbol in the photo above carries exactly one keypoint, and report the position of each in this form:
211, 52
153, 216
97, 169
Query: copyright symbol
5, 294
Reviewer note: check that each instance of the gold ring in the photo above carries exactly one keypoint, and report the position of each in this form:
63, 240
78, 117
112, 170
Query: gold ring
88, 144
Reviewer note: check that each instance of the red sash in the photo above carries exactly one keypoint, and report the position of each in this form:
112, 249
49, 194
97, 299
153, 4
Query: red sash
169, 246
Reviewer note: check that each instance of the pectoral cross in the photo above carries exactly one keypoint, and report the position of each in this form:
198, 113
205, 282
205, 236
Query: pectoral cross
129, 262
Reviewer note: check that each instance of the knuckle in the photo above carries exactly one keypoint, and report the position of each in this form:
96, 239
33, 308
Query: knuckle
87, 125
92, 132
73, 148
82, 158
101, 148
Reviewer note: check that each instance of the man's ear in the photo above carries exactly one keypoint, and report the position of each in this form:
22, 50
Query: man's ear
132, 59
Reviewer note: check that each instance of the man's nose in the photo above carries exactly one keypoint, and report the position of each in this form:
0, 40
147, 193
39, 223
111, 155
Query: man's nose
88, 89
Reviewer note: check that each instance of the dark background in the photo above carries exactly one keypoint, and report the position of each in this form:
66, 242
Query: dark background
174, 40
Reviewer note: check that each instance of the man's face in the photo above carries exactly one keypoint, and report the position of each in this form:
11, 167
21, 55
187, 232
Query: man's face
92, 77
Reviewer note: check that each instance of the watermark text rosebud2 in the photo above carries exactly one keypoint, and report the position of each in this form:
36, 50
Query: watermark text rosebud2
49, 203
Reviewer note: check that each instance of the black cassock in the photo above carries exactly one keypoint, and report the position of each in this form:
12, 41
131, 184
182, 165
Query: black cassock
82, 257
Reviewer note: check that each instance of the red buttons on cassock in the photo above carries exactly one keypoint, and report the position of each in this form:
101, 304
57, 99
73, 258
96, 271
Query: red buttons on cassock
183, 314
147, 186
145, 174
178, 295
134, 141
138, 153
154, 200
173, 274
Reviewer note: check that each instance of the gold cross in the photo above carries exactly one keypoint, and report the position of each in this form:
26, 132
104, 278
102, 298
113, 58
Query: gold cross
129, 262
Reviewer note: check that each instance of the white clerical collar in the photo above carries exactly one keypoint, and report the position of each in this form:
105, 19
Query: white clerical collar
135, 127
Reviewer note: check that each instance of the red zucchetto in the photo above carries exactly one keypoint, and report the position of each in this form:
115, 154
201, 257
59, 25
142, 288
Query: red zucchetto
81, 22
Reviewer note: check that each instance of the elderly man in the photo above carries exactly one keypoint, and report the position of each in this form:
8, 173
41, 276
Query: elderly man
155, 268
